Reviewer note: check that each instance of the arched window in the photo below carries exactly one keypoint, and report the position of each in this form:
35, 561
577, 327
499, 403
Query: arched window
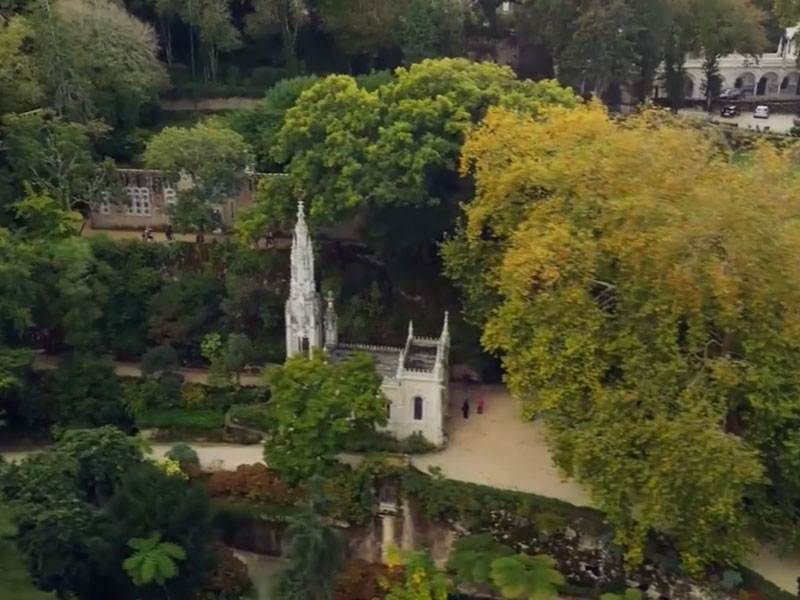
418, 408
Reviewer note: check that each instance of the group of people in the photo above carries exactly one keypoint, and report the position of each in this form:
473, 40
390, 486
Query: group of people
147, 234
465, 407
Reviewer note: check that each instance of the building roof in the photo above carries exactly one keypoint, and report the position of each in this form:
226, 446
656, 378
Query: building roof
386, 358
420, 357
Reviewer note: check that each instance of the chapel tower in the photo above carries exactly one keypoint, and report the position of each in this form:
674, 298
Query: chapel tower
304, 306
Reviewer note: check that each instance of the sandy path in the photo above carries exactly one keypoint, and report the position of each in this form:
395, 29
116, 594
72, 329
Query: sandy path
498, 449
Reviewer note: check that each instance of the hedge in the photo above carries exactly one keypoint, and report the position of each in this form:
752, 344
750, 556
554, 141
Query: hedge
183, 418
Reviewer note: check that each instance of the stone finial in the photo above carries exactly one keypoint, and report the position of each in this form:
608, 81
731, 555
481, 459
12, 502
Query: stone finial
331, 323
301, 210
446, 326
411, 329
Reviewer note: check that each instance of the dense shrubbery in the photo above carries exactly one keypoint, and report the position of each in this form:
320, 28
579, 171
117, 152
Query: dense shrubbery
251, 416
254, 483
78, 505
377, 441
83, 392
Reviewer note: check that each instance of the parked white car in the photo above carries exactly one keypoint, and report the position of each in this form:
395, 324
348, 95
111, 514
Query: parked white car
761, 112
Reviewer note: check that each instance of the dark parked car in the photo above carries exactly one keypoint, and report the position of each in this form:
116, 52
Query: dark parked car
730, 110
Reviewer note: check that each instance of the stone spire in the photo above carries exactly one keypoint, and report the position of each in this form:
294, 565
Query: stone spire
331, 323
446, 327
302, 257
304, 306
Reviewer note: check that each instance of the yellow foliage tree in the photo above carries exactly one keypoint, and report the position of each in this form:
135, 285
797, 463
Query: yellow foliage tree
643, 288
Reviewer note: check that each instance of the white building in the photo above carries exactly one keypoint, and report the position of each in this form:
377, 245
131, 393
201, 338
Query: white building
773, 75
415, 377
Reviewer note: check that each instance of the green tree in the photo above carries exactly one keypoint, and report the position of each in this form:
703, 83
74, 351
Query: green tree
418, 32
260, 126
58, 497
423, 581
316, 405
94, 59
600, 54
85, 392
723, 27
214, 158
217, 33
285, 16
527, 577
184, 310
632, 314
347, 148
56, 157
472, 556
149, 500
315, 552
168, 12
101, 456
228, 357
238, 353
158, 360
41, 216
153, 561
362, 27
788, 11
18, 294
18, 78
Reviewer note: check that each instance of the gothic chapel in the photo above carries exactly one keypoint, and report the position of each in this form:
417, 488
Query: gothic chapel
415, 377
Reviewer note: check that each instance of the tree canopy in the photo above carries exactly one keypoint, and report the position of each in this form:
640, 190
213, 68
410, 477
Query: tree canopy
641, 286
346, 147
215, 159
315, 406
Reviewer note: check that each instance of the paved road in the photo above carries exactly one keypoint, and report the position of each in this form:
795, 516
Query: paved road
779, 123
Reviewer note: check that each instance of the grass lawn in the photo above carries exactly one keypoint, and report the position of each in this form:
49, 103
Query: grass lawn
15, 581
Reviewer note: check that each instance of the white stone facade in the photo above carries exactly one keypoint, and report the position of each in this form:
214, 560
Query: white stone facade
415, 377
771, 76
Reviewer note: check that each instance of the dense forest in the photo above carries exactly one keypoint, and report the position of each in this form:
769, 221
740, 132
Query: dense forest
630, 280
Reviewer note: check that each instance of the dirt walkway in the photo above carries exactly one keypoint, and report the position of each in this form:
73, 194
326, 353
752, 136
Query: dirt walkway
210, 104
127, 369
136, 234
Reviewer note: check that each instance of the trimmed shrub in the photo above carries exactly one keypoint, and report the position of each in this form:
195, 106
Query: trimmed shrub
181, 418
159, 359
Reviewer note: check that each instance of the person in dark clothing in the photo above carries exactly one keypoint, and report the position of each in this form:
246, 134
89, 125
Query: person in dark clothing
465, 408
169, 233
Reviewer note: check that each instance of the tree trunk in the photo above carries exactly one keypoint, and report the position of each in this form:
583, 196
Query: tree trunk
710, 70
212, 63
167, 29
